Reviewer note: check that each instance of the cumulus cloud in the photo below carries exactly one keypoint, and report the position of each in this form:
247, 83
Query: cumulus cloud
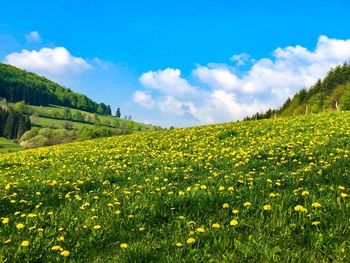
143, 99
33, 36
49, 62
224, 95
240, 59
167, 81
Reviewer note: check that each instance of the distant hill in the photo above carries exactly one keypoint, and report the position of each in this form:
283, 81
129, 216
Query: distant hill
17, 85
330, 94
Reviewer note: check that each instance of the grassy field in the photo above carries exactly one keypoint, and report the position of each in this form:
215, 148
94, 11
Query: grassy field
8, 146
274, 190
55, 123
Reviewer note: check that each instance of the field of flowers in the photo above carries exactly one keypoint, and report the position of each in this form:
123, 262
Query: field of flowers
270, 190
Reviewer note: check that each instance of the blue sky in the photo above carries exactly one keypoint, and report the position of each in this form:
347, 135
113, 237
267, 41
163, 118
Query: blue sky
173, 62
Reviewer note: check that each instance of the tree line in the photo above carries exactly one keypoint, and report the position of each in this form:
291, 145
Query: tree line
17, 85
13, 123
331, 93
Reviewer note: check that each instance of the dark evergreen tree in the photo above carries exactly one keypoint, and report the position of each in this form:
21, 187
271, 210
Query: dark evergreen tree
118, 113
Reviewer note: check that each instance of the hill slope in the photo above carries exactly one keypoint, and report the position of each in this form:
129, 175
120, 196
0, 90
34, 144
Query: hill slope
255, 191
330, 94
17, 85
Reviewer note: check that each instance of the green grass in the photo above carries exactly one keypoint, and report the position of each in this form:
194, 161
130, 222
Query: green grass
8, 146
54, 123
275, 190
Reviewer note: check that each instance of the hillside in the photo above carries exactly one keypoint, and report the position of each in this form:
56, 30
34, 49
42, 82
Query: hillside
330, 94
17, 85
273, 190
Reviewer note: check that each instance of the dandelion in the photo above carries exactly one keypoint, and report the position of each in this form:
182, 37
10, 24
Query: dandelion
316, 205
19, 226
200, 230
316, 223
178, 244
343, 195
56, 248
8, 241
246, 204
32, 215
300, 208
124, 246
65, 253
96, 227
235, 211
191, 241
267, 207
233, 222
25, 243
225, 205
5, 220
216, 225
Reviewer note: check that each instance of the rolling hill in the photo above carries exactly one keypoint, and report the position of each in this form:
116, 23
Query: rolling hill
330, 94
55, 112
274, 190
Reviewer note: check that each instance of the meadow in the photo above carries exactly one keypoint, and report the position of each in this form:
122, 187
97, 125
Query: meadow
273, 190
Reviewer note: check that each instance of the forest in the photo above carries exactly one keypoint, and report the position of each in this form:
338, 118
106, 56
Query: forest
17, 85
13, 123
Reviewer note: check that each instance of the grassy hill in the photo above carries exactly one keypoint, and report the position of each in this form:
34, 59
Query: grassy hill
327, 95
8, 146
17, 85
274, 190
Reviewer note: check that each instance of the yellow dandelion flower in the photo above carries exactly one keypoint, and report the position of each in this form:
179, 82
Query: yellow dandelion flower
96, 227
65, 253
178, 244
124, 246
8, 241
225, 205
216, 225
181, 193
305, 193
141, 229
235, 211
200, 230
246, 204
191, 241
5, 220
316, 223
300, 208
25, 243
19, 226
267, 207
32, 215
343, 195
56, 248
233, 222
316, 205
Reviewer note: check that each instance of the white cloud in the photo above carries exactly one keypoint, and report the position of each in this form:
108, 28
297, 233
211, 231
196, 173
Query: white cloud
240, 59
33, 36
143, 99
50, 62
167, 81
227, 96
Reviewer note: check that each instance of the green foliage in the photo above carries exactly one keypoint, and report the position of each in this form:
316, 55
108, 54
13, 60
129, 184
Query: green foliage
17, 85
329, 94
